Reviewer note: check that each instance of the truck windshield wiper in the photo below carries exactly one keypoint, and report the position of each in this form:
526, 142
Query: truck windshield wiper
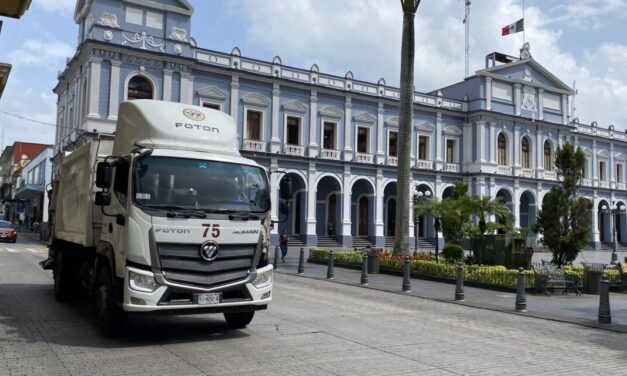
180, 211
235, 214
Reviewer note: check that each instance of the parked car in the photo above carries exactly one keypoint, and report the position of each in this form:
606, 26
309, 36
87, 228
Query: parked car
7, 232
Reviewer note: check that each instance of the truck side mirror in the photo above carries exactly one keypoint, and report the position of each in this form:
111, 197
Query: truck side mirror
103, 199
103, 175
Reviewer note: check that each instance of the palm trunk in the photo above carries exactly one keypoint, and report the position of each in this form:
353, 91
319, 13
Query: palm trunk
401, 241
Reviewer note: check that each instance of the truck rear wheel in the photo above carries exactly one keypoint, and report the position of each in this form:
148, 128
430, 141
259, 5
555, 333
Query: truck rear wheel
62, 278
111, 318
238, 320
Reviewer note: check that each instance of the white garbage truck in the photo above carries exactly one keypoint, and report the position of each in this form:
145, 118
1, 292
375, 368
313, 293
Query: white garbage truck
166, 217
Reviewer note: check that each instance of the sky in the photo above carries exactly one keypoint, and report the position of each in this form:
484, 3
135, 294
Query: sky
581, 41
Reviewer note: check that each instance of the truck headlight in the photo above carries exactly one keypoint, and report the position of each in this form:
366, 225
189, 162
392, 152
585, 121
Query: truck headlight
142, 283
263, 279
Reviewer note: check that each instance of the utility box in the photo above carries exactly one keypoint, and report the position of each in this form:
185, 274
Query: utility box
502, 250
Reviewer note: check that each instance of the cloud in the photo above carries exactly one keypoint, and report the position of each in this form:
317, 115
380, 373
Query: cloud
41, 53
365, 38
61, 6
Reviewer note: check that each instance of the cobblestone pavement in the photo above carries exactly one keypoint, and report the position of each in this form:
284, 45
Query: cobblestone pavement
313, 327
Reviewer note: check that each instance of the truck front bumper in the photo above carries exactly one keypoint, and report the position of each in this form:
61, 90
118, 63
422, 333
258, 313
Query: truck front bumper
252, 295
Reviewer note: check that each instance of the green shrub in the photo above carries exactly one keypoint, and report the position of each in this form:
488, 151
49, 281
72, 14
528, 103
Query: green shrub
453, 253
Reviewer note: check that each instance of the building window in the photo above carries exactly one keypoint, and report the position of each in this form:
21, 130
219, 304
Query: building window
134, 15
293, 130
502, 150
253, 125
548, 164
154, 20
213, 106
422, 148
139, 88
393, 144
450, 151
619, 173
602, 175
328, 141
525, 152
362, 140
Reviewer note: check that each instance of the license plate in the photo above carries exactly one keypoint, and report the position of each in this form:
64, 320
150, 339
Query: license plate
208, 298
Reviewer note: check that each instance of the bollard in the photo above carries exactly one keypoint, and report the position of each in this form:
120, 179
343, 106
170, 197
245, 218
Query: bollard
364, 269
275, 263
459, 288
605, 316
301, 261
406, 281
521, 296
330, 271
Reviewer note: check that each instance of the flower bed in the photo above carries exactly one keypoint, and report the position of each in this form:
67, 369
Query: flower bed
496, 276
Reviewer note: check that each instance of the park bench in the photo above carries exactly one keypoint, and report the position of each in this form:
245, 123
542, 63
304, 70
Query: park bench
548, 277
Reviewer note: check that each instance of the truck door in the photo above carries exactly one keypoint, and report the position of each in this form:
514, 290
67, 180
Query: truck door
119, 205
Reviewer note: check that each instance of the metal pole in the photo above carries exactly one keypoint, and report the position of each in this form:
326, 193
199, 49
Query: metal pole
605, 316
521, 295
364, 268
330, 271
415, 236
301, 261
459, 288
275, 263
406, 281
614, 246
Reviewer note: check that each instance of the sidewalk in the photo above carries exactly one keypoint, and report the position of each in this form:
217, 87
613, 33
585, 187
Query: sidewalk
25, 237
581, 310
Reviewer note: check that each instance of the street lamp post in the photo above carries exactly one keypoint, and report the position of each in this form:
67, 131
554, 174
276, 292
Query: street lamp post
417, 196
616, 210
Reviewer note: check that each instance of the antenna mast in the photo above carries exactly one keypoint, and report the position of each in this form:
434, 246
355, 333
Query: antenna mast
467, 24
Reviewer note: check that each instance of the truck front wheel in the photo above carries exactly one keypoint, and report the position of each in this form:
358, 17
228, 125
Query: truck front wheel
238, 320
111, 317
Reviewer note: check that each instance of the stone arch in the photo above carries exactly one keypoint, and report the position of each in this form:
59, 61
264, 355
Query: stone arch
328, 205
141, 73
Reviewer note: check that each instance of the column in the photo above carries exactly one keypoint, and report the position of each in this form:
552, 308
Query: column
187, 94
595, 165
275, 142
439, 164
411, 244
492, 143
167, 85
540, 104
274, 188
480, 144
347, 237
595, 221
114, 91
234, 97
539, 154
612, 168
94, 88
468, 148
517, 103
380, 136
564, 109
488, 93
313, 124
516, 149
516, 203
379, 224
312, 190
348, 127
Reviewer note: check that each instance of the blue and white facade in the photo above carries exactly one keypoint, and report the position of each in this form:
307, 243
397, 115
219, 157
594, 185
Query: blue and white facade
336, 136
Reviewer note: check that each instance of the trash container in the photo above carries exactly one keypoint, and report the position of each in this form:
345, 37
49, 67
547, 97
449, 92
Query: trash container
373, 260
592, 273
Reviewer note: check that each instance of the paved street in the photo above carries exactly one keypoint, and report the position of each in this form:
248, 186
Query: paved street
313, 327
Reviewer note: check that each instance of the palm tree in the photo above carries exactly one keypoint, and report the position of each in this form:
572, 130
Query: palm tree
435, 208
406, 113
485, 206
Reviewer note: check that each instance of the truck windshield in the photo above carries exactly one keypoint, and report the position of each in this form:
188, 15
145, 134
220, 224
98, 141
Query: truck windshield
209, 186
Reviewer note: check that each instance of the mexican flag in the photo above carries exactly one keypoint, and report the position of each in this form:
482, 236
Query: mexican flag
514, 28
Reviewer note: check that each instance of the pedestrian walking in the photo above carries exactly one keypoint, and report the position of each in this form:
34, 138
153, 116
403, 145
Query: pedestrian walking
283, 244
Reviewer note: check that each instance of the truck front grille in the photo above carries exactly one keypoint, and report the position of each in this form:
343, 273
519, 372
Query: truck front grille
181, 263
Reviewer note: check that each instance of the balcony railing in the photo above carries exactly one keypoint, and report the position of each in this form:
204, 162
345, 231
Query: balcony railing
587, 182
298, 150
620, 186
503, 170
604, 184
452, 167
254, 145
392, 161
550, 175
425, 165
527, 173
363, 158
330, 154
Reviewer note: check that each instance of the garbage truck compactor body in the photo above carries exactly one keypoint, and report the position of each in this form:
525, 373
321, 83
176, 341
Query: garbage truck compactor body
167, 217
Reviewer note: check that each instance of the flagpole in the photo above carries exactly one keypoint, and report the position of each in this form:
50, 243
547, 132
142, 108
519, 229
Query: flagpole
524, 39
